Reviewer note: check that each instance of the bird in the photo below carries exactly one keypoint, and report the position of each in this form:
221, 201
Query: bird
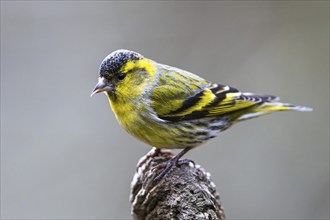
170, 108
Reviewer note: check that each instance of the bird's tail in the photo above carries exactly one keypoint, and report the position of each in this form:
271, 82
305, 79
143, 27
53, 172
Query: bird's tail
270, 105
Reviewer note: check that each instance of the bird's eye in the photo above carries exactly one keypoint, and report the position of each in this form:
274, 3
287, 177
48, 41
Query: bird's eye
121, 76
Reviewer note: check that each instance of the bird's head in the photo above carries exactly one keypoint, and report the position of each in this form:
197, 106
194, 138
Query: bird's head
124, 73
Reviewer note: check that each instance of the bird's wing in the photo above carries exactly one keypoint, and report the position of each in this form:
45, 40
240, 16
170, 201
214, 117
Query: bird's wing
178, 100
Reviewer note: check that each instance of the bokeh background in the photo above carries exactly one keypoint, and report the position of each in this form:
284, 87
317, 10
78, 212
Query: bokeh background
63, 155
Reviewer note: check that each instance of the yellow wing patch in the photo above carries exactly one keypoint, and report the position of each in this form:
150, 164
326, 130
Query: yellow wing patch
215, 100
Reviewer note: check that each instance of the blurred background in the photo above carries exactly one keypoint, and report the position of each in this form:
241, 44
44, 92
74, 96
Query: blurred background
63, 154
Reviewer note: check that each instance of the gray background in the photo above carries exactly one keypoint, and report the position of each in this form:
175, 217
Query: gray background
63, 155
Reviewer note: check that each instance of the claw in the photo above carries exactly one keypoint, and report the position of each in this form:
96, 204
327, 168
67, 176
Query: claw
174, 162
186, 161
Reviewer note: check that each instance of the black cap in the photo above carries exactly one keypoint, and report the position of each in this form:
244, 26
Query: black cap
114, 61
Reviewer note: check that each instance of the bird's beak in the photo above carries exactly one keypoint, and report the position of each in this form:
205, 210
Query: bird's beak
101, 86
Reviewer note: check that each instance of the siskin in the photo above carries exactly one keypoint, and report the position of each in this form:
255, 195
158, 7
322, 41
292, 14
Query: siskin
167, 107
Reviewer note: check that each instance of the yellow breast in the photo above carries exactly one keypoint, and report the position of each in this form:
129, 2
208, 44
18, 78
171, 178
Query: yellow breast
138, 122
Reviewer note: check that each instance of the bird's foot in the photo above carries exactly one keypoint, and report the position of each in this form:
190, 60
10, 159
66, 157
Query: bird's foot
186, 161
171, 164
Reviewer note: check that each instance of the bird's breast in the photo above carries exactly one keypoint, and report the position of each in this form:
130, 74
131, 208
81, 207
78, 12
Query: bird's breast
125, 112
138, 120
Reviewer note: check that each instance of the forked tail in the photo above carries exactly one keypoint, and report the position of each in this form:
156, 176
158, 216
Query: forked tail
269, 106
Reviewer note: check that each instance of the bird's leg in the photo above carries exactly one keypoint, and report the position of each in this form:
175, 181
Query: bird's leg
173, 162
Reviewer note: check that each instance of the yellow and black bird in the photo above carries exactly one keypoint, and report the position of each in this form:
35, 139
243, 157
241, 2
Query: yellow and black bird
167, 107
